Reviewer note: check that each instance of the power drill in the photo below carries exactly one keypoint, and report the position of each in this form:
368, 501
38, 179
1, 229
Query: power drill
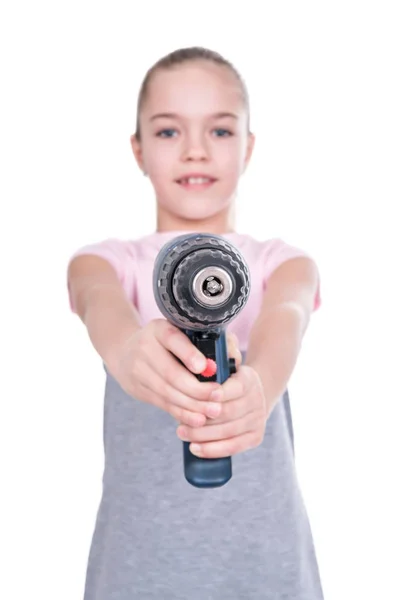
200, 283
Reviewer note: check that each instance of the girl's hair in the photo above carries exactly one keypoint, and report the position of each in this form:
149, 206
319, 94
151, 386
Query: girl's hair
179, 57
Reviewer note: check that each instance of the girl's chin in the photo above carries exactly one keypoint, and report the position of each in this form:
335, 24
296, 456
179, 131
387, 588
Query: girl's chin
195, 206
200, 212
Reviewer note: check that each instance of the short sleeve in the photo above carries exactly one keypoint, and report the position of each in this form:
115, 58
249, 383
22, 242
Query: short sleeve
121, 256
275, 253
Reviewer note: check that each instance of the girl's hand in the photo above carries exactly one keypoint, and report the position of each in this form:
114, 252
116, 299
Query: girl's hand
241, 424
146, 369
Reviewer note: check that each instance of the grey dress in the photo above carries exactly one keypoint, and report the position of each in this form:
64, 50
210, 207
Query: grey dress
158, 537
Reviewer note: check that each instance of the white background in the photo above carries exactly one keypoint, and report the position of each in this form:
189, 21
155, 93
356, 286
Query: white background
324, 89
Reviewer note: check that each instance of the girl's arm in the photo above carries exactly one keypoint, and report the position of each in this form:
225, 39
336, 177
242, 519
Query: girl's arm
141, 358
276, 337
101, 303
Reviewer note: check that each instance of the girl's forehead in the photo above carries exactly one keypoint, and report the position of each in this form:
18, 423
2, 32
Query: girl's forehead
208, 88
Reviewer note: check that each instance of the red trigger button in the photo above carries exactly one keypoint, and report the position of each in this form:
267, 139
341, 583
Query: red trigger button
210, 369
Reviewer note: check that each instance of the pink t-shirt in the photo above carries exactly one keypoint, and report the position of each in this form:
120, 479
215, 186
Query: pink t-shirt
133, 261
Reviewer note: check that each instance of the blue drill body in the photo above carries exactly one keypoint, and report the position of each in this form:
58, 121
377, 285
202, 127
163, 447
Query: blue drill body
200, 283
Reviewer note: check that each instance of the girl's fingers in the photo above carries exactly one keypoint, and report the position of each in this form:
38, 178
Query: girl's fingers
233, 410
228, 447
236, 386
167, 367
169, 396
178, 343
220, 431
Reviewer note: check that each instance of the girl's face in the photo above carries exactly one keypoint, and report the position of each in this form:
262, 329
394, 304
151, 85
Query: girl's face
195, 143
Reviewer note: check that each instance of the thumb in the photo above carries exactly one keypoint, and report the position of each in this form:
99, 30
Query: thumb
232, 343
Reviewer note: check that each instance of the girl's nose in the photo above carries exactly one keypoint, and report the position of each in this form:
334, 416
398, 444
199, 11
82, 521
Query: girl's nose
195, 149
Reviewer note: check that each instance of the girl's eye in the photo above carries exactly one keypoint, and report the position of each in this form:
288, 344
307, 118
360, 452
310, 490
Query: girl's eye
223, 132
165, 131
168, 133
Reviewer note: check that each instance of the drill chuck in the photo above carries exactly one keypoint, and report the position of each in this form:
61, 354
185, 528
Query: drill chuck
201, 282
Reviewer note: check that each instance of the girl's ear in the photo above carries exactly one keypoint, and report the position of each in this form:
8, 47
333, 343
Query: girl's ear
249, 150
137, 151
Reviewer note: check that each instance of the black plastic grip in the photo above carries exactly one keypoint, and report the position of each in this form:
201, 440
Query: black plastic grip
210, 472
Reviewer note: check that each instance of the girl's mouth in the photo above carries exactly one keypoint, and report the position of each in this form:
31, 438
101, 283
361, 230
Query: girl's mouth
198, 183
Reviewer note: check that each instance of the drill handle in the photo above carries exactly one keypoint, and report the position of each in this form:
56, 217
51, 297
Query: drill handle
210, 472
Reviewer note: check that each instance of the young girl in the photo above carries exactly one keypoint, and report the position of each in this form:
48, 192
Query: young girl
157, 536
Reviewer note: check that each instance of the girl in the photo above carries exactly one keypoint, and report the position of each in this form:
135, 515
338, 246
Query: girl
156, 536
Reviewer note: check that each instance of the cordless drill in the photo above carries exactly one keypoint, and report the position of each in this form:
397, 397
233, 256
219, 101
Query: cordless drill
200, 283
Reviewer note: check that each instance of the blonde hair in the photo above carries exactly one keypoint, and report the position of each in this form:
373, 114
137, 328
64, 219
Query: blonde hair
182, 56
